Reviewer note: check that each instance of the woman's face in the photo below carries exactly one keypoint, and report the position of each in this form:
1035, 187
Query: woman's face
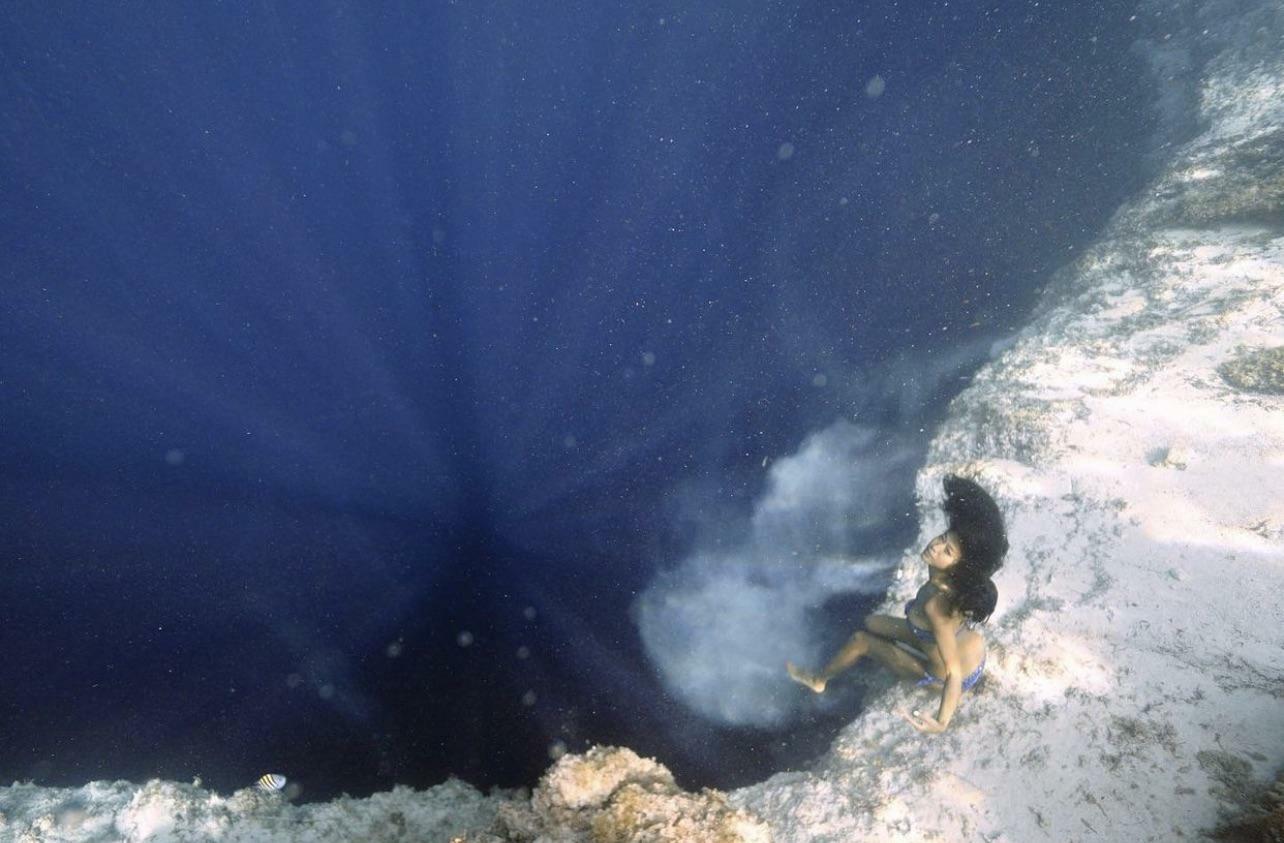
943, 551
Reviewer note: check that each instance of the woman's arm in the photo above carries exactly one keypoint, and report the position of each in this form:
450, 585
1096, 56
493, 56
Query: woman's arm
946, 630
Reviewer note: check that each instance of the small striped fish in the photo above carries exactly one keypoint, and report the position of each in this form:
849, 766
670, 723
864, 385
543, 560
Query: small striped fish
271, 782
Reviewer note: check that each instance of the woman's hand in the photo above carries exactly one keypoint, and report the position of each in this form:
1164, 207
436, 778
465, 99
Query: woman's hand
924, 723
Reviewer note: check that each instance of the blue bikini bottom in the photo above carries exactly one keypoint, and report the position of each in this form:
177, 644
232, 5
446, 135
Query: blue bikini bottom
968, 681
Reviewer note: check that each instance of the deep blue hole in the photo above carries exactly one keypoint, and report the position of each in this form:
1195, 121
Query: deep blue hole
332, 335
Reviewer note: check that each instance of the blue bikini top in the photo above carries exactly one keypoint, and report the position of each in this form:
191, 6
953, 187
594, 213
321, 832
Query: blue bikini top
925, 634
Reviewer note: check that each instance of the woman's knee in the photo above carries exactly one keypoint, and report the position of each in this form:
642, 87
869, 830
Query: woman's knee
879, 625
859, 638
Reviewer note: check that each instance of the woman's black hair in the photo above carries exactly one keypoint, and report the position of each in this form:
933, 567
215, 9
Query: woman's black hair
975, 519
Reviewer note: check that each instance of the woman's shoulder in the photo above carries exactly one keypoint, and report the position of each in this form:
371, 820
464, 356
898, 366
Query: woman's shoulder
937, 601
930, 591
929, 588
925, 592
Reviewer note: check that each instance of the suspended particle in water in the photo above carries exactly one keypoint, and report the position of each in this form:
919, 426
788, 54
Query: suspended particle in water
464, 638
569, 442
785, 152
294, 680
819, 380
394, 649
326, 691
933, 218
556, 750
648, 358
874, 87
528, 699
174, 456
523, 652
529, 613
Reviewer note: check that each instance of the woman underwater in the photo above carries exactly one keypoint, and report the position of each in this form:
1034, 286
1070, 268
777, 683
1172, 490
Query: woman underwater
940, 622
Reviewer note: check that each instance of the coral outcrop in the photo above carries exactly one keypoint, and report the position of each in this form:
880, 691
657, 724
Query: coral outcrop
610, 795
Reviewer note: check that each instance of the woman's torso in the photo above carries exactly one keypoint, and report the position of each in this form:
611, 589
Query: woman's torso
971, 644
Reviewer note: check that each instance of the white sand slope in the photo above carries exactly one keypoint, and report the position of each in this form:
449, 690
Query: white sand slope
1137, 659
1136, 673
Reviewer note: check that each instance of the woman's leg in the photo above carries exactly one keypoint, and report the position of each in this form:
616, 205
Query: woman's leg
893, 629
863, 643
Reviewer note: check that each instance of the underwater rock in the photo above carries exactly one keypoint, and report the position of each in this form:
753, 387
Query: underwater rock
611, 795
1256, 371
1261, 821
1241, 182
1173, 456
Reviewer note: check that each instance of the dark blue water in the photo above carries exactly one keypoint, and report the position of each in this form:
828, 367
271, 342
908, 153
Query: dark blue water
334, 338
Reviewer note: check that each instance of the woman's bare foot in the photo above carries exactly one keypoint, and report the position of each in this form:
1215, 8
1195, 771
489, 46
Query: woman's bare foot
802, 677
